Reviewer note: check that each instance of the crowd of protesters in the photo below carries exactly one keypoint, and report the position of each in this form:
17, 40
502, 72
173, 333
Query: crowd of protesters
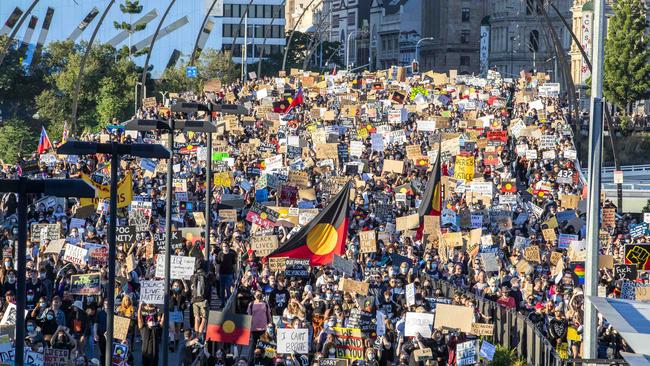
523, 191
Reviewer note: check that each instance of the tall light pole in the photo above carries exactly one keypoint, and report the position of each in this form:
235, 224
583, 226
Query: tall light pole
115, 150
417, 47
595, 165
24, 186
347, 50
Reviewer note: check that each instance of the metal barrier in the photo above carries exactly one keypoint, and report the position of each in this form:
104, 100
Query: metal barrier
512, 330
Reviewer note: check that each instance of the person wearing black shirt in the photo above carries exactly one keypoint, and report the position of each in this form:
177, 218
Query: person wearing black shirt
279, 298
151, 332
226, 264
99, 329
77, 322
259, 359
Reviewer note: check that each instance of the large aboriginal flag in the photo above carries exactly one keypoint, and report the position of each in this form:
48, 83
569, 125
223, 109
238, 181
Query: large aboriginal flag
229, 327
431, 202
324, 236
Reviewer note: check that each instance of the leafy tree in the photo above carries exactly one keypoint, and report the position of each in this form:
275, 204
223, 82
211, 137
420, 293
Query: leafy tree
105, 93
16, 139
211, 65
130, 8
627, 56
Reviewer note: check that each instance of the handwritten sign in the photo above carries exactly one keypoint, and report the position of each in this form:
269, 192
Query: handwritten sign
75, 254
152, 292
263, 245
121, 326
349, 343
367, 242
480, 329
418, 323
292, 341
182, 268
86, 284
348, 285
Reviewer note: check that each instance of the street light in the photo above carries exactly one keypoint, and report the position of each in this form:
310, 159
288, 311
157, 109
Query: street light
417, 47
115, 150
184, 125
24, 186
347, 50
135, 99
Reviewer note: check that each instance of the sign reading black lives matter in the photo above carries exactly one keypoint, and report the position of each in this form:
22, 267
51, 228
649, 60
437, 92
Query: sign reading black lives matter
159, 240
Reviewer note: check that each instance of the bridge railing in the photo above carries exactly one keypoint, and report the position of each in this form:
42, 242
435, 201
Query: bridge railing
511, 329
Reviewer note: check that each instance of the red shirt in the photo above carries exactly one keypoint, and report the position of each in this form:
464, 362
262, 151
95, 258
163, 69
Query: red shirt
508, 302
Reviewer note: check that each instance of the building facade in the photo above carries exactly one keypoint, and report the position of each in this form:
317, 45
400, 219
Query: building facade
301, 14
346, 21
265, 23
520, 39
451, 29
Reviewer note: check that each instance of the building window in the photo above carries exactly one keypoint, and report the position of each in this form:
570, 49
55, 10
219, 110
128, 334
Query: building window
267, 11
464, 60
227, 10
236, 11
533, 40
465, 15
352, 18
251, 12
464, 36
227, 30
532, 6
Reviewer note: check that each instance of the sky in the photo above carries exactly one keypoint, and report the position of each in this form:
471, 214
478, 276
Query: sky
69, 13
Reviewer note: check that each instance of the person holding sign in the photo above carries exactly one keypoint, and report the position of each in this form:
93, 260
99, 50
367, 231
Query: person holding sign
151, 332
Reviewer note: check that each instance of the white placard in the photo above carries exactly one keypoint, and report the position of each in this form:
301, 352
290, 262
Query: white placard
292, 341
152, 292
426, 126
182, 267
410, 294
418, 323
75, 254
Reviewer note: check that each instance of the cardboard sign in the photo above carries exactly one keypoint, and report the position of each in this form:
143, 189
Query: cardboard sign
483, 329
555, 257
152, 292
393, 166
642, 293
423, 354
228, 215
549, 235
9, 317
532, 254
343, 265
605, 261
367, 242
56, 357
418, 323
277, 263
149, 102
407, 222
609, 217
348, 285
292, 341
121, 327
264, 245
182, 268
464, 168
86, 284
454, 317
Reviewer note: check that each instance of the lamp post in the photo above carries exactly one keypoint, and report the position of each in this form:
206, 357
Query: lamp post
347, 50
170, 126
24, 186
115, 150
417, 47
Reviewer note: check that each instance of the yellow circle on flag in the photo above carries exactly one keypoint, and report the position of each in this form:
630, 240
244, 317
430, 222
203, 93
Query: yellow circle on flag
263, 215
322, 239
228, 326
508, 186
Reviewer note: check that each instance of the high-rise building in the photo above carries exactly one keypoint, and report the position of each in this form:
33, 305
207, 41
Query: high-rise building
301, 14
520, 38
347, 23
264, 20
452, 30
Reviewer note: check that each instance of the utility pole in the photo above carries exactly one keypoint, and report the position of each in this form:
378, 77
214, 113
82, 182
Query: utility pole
593, 201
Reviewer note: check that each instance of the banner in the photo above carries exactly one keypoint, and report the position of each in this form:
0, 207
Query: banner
348, 343
124, 191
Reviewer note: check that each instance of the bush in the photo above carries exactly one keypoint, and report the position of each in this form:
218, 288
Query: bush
506, 357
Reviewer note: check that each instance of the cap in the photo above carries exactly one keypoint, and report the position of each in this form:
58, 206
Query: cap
539, 306
77, 304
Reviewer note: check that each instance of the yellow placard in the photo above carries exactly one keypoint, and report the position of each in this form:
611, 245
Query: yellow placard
103, 192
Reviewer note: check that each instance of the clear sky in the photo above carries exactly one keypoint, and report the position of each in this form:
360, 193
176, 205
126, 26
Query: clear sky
69, 13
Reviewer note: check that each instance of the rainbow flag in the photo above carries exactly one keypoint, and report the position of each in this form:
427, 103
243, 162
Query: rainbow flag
578, 269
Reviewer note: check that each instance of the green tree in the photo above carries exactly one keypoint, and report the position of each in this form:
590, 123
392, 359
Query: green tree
211, 65
16, 139
130, 8
105, 93
627, 56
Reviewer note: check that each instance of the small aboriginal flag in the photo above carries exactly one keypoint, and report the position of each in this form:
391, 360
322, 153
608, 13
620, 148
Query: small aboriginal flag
229, 327
509, 187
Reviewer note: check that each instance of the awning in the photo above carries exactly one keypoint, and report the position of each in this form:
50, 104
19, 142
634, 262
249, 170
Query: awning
631, 319
635, 359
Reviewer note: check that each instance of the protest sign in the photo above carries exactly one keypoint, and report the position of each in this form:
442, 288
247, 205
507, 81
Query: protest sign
343, 265
464, 168
625, 272
407, 222
292, 341
410, 294
121, 327
40, 232
349, 343
55, 246
367, 242
7, 350
332, 362
487, 350
454, 317
532, 254
75, 254
86, 284
125, 234
9, 317
490, 262
56, 357
263, 245
228, 215
423, 354
296, 267
393, 166
466, 353
483, 329
277, 263
33, 358
182, 268
348, 285
638, 254
418, 323
152, 292
97, 254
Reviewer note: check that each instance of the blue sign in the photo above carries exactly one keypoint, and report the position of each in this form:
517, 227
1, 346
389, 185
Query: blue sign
191, 72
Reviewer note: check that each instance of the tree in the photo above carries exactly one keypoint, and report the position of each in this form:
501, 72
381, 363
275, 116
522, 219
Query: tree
105, 93
130, 8
627, 56
16, 140
211, 65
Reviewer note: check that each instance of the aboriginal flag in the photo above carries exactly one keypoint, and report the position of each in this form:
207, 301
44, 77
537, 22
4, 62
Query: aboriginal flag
324, 236
431, 204
229, 327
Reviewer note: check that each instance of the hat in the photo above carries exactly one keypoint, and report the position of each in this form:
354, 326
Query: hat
77, 304
539, 306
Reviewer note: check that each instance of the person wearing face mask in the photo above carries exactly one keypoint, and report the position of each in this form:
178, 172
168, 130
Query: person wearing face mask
179, 301
220, 358
99, 328
260, 313
151, 333
259, 359
279, 298
226, 265
62, 340
9, 281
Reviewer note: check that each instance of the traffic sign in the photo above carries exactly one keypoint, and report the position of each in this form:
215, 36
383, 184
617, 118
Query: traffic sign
191, 72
